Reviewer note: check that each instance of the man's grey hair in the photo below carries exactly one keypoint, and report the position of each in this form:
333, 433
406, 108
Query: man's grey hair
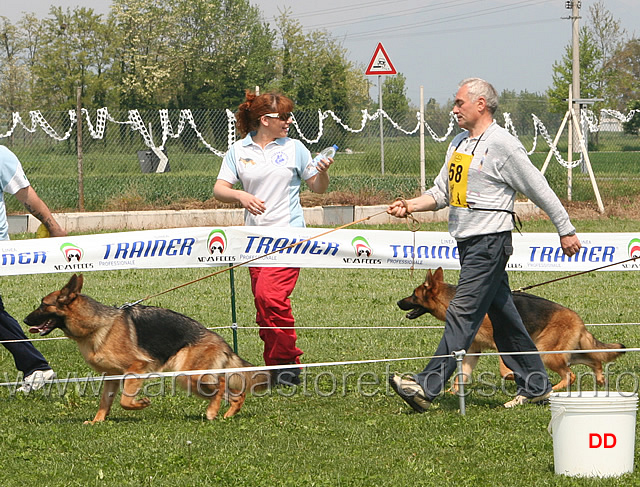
480, 88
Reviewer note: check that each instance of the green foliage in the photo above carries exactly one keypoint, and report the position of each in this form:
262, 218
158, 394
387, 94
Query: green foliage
521, 105
609, 63
176, 54
395, 101
313, 69
632, 127
590, 57
75, 52
14, 92
624, 74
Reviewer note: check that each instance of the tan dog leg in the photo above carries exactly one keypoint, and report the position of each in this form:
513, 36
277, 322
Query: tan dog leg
132, 388
109, 392
236, 400
505, 372
216, 398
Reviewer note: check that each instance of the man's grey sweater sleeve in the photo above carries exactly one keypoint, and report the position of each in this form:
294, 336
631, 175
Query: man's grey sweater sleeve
524, 177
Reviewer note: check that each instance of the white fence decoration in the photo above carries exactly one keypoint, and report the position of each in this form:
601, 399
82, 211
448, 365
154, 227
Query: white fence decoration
134, 120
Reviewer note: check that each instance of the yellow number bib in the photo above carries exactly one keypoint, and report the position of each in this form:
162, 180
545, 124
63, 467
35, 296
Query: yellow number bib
458, 177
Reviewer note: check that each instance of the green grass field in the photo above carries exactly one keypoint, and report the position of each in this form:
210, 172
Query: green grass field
344, 427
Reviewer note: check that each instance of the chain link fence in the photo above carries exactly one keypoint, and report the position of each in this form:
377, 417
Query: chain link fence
119, 162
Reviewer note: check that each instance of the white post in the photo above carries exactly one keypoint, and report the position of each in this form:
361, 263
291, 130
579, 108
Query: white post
570, 146
587, 162
460, 378
423, 186
575, 61
381, 127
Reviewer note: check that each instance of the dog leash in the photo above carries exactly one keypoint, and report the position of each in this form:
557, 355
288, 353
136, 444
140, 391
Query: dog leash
414, 225
576, 274
128, 305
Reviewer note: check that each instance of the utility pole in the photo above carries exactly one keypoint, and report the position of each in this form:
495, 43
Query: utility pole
574, 6
575, 23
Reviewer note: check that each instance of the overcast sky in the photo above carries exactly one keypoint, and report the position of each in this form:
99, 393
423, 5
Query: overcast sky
433, 43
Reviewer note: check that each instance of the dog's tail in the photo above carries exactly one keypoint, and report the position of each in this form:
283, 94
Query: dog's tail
589, 342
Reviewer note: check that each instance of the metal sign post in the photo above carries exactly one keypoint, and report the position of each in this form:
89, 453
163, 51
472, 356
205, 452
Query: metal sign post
380, 64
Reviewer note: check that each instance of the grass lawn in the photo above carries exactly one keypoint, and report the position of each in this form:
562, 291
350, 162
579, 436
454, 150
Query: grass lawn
343, 427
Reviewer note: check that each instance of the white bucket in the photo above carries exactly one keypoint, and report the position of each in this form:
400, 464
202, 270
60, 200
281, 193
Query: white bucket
593, 432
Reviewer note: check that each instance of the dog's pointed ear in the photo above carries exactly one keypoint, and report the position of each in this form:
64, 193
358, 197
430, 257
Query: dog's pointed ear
71, 290
438, 275
427, 279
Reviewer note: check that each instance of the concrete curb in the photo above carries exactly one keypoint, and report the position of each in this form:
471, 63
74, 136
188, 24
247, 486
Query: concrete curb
328, 216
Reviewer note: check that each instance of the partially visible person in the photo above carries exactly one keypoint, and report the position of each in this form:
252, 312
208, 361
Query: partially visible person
34, 367
484, 168
271, 166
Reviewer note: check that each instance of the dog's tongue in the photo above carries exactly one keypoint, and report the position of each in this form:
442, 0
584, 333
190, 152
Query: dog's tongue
42, 329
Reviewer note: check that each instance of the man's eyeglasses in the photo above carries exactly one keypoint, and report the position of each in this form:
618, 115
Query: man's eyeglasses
282, 116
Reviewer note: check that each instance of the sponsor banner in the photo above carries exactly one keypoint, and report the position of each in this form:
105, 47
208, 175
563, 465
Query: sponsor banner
300, 247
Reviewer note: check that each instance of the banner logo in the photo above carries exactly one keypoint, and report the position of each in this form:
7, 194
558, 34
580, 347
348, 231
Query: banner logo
361, 247
72, 253
217, 241
634, 247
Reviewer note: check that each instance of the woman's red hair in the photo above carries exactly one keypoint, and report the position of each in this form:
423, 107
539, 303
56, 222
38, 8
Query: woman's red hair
255, 106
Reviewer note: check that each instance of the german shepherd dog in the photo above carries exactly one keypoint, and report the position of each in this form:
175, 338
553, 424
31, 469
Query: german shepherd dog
550, 325
145, 339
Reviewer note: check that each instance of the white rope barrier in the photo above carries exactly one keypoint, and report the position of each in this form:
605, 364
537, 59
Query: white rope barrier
231, 370
233, 327
261, 368
134, 120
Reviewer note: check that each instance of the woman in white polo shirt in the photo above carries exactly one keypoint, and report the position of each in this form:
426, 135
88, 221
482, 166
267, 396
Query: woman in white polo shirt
271, 166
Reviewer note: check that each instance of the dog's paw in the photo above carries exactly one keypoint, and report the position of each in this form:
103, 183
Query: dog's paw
134, 404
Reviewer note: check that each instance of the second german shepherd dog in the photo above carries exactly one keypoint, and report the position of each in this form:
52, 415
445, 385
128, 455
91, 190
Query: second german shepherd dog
550, 325
144, 339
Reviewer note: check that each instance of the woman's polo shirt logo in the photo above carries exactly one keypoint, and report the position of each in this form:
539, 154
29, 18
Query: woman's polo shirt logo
279, 159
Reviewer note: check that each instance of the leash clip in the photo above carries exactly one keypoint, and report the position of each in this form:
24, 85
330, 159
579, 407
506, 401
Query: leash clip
130, 305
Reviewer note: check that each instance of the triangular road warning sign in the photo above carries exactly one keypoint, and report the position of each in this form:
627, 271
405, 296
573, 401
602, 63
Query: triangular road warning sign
380, 62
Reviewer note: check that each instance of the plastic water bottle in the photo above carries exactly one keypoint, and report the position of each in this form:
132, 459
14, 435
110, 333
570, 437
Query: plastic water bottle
325, 154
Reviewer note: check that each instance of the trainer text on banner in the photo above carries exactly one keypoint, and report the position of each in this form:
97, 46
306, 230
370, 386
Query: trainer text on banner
372, 249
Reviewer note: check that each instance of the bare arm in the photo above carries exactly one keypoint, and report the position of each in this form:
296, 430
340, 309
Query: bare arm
320, 182
224, 191
401, 208
34, 205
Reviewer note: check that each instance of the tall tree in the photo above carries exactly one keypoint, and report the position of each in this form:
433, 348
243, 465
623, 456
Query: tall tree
225, 48
438, 116
590, 62
608, 34
521, 105
624, 75
13, 72
31, 29
395, 101
186, 53
633, 126
143, 70
314, 69
72, 54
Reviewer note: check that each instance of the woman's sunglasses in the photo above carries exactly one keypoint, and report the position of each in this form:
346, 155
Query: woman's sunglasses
282, 116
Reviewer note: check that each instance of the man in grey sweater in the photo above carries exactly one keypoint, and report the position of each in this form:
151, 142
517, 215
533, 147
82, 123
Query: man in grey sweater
484, 169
